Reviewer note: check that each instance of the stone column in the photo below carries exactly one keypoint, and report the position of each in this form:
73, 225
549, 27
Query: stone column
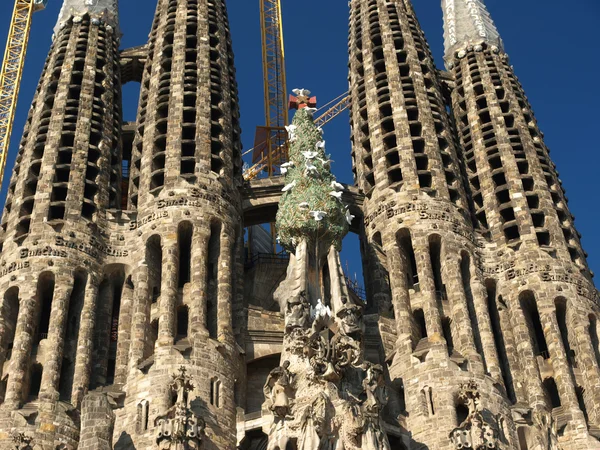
198, 282
85, 342
224, 296
512, 354
55, 341
484, 322
461, 321
529, 367
433, 320
19, 362
168, 293
586, 358
140, 316
400, 298
124, 339
560, 364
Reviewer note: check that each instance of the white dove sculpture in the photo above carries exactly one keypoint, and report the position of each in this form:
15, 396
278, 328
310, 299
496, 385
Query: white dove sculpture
304, 205
311, 111
320, 144
349, 217
336, 194
287, 187
318, 215
337, 186
311, 169
288, 164
320, 310
326, 162
301, 92
310, 155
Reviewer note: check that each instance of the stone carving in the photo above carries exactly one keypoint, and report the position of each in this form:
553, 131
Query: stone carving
546, 433
324, 396
476, 431
22, 441
179, 428
278, 389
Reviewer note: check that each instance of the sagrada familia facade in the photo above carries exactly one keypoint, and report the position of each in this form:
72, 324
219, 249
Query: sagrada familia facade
136, 315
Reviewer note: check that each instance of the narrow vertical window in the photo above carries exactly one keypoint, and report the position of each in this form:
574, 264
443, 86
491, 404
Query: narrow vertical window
435, 249
184, 242
408, 258
552, 395
419, 318
44, 295
212, 279
465, 270
536, 332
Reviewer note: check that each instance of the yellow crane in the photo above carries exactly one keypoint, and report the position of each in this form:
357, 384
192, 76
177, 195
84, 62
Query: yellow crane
12, 70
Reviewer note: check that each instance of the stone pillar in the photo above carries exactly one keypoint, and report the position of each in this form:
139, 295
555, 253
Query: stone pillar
198, 282
97, 423
464, 341
484, 322
23, 344
586, 358
562, 372
85, 342
168, 293
529, 367
433, 319
224, 296
140, 316
124, 339
55, 341
400, 297
512, 354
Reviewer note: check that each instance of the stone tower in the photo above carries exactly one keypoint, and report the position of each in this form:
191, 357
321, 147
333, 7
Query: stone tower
467, 241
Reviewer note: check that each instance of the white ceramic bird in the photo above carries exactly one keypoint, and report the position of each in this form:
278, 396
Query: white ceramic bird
336, 194
301, 92
318, 215
288, 164
337, 186
321, 130
283, 170
311, 111
349, 217
310, 155
304, 205
320, 145
326, 162
320, 310
287, 187
311, 169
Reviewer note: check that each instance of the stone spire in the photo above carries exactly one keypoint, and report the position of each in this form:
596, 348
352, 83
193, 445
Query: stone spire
106, 10
467, 22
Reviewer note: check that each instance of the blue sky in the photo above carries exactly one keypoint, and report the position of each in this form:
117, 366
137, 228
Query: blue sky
552, 44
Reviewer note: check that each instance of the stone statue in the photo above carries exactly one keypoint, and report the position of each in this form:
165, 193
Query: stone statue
179, 428
546, 435
297, 312
475, 431
278, 388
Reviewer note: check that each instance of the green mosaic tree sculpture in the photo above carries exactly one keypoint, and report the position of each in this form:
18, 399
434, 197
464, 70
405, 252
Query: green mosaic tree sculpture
311, 208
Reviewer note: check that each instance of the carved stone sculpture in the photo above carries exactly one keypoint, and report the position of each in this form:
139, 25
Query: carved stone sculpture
476, 431
179, 428
278, 390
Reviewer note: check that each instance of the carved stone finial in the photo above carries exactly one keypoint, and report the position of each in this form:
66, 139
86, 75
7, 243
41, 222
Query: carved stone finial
22, 441
179, 428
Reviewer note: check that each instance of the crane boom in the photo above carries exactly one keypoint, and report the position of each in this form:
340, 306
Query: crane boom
12, 70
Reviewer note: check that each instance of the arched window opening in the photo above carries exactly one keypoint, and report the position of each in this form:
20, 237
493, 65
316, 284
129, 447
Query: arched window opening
114, 330
44, 296
143, 408
215, 392
408, 258
427, 396
462, 412
523, 434
593, 330
465, 271
184, 242
499, 339
8, 317
67, 369
35, 381
377, 239
419, 318
182, 322
536, 332
212, 277
151, 339
435, 256
154, 262
551, 391
579, 391
561, 318
447, 329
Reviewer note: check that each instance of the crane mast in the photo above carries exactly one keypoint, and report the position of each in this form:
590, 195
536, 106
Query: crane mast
12, 70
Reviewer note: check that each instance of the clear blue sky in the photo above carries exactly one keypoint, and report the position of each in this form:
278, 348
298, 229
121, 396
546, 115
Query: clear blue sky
553, 45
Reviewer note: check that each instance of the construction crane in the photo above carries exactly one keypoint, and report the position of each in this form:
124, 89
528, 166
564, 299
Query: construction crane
280, 152
12, 70
271, 140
